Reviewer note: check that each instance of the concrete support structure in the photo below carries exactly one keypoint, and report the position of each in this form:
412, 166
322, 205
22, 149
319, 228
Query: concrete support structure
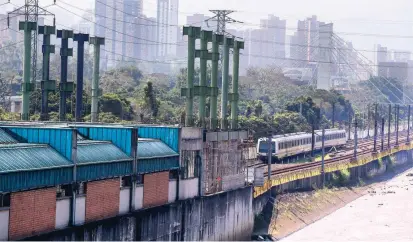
47, 84
96, 42
202, 89
27, 86
355, 137
65, 87
324, 66
234, 96
81, 39
228, 43
217, 40
193, 33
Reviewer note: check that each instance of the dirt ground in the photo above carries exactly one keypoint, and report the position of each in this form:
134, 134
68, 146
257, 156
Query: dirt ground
304, 210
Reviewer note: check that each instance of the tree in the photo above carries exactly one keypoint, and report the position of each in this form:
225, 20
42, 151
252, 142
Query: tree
258, 109
150, 99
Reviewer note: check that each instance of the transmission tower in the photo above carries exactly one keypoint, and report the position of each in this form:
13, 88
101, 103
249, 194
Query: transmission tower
222, 18
31, 12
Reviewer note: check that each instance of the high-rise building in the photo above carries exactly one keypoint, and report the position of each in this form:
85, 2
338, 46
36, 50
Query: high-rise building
167, 17
118, 22
396, 70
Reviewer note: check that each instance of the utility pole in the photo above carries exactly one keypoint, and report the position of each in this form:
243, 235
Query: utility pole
397, 124
355, 137
382, 134
269, 155
322, 157
408, 126
389, 127
312, 139
375, 129
368, 121
349, 126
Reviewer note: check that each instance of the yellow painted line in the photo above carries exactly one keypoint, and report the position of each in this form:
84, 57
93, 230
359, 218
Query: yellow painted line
316, 171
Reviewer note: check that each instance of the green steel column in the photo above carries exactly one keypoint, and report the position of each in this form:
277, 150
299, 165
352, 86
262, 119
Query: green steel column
235, 75
225, 76
47, 84
193, 33
216, 41
27, 87
205, 37
96, 42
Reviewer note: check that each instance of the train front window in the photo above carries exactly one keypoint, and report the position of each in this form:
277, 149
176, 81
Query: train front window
264, 147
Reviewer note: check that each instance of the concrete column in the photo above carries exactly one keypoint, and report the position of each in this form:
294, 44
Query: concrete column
65, 87
217, 39
193, 33
47, 84
234, 97
27, 86
206, 36
96, 42
324, 65
228, 43
81, 39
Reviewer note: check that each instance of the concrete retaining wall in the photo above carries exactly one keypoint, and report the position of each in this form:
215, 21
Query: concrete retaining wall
224, 216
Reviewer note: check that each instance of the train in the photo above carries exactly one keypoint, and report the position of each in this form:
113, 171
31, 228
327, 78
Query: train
295, 144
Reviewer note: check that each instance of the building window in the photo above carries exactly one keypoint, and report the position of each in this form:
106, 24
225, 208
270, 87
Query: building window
173, 175
4, 200
64, 191
139, 179
126, 181
81, 189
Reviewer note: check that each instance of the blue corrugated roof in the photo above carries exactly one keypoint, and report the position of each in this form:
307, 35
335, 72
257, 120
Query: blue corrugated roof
153, 148
5, 138
89, 151
26, 157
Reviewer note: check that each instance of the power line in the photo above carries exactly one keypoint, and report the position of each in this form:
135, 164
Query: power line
343, 33
153, 41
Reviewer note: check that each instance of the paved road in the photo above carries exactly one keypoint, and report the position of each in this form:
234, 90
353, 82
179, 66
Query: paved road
385, 214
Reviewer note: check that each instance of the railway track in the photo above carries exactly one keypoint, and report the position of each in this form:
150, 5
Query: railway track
365, 147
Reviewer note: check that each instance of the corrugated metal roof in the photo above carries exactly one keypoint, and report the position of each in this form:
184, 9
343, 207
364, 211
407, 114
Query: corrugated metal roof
89, 151
153, 148
25, 157
5, 138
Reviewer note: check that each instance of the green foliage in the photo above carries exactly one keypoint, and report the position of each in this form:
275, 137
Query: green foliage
341, 178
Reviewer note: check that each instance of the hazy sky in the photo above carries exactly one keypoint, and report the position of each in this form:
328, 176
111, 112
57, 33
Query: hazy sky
351, 18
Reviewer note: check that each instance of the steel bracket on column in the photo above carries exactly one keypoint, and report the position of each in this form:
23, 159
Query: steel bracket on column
66, 87
204, 54
233, 97
66, 52
192, 31
187, 92
219, 38
29, 26
27, 87
202, 90
49, 85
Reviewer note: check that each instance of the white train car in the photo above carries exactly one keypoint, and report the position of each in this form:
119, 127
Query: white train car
289, 145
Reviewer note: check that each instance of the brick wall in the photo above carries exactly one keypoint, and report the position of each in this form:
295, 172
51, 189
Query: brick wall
155, 189
32, 212
102, 199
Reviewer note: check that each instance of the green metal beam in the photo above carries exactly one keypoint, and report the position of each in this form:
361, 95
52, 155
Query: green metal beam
193, 33
96, 42
217, 39
234, 96
27, 86
228, 43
